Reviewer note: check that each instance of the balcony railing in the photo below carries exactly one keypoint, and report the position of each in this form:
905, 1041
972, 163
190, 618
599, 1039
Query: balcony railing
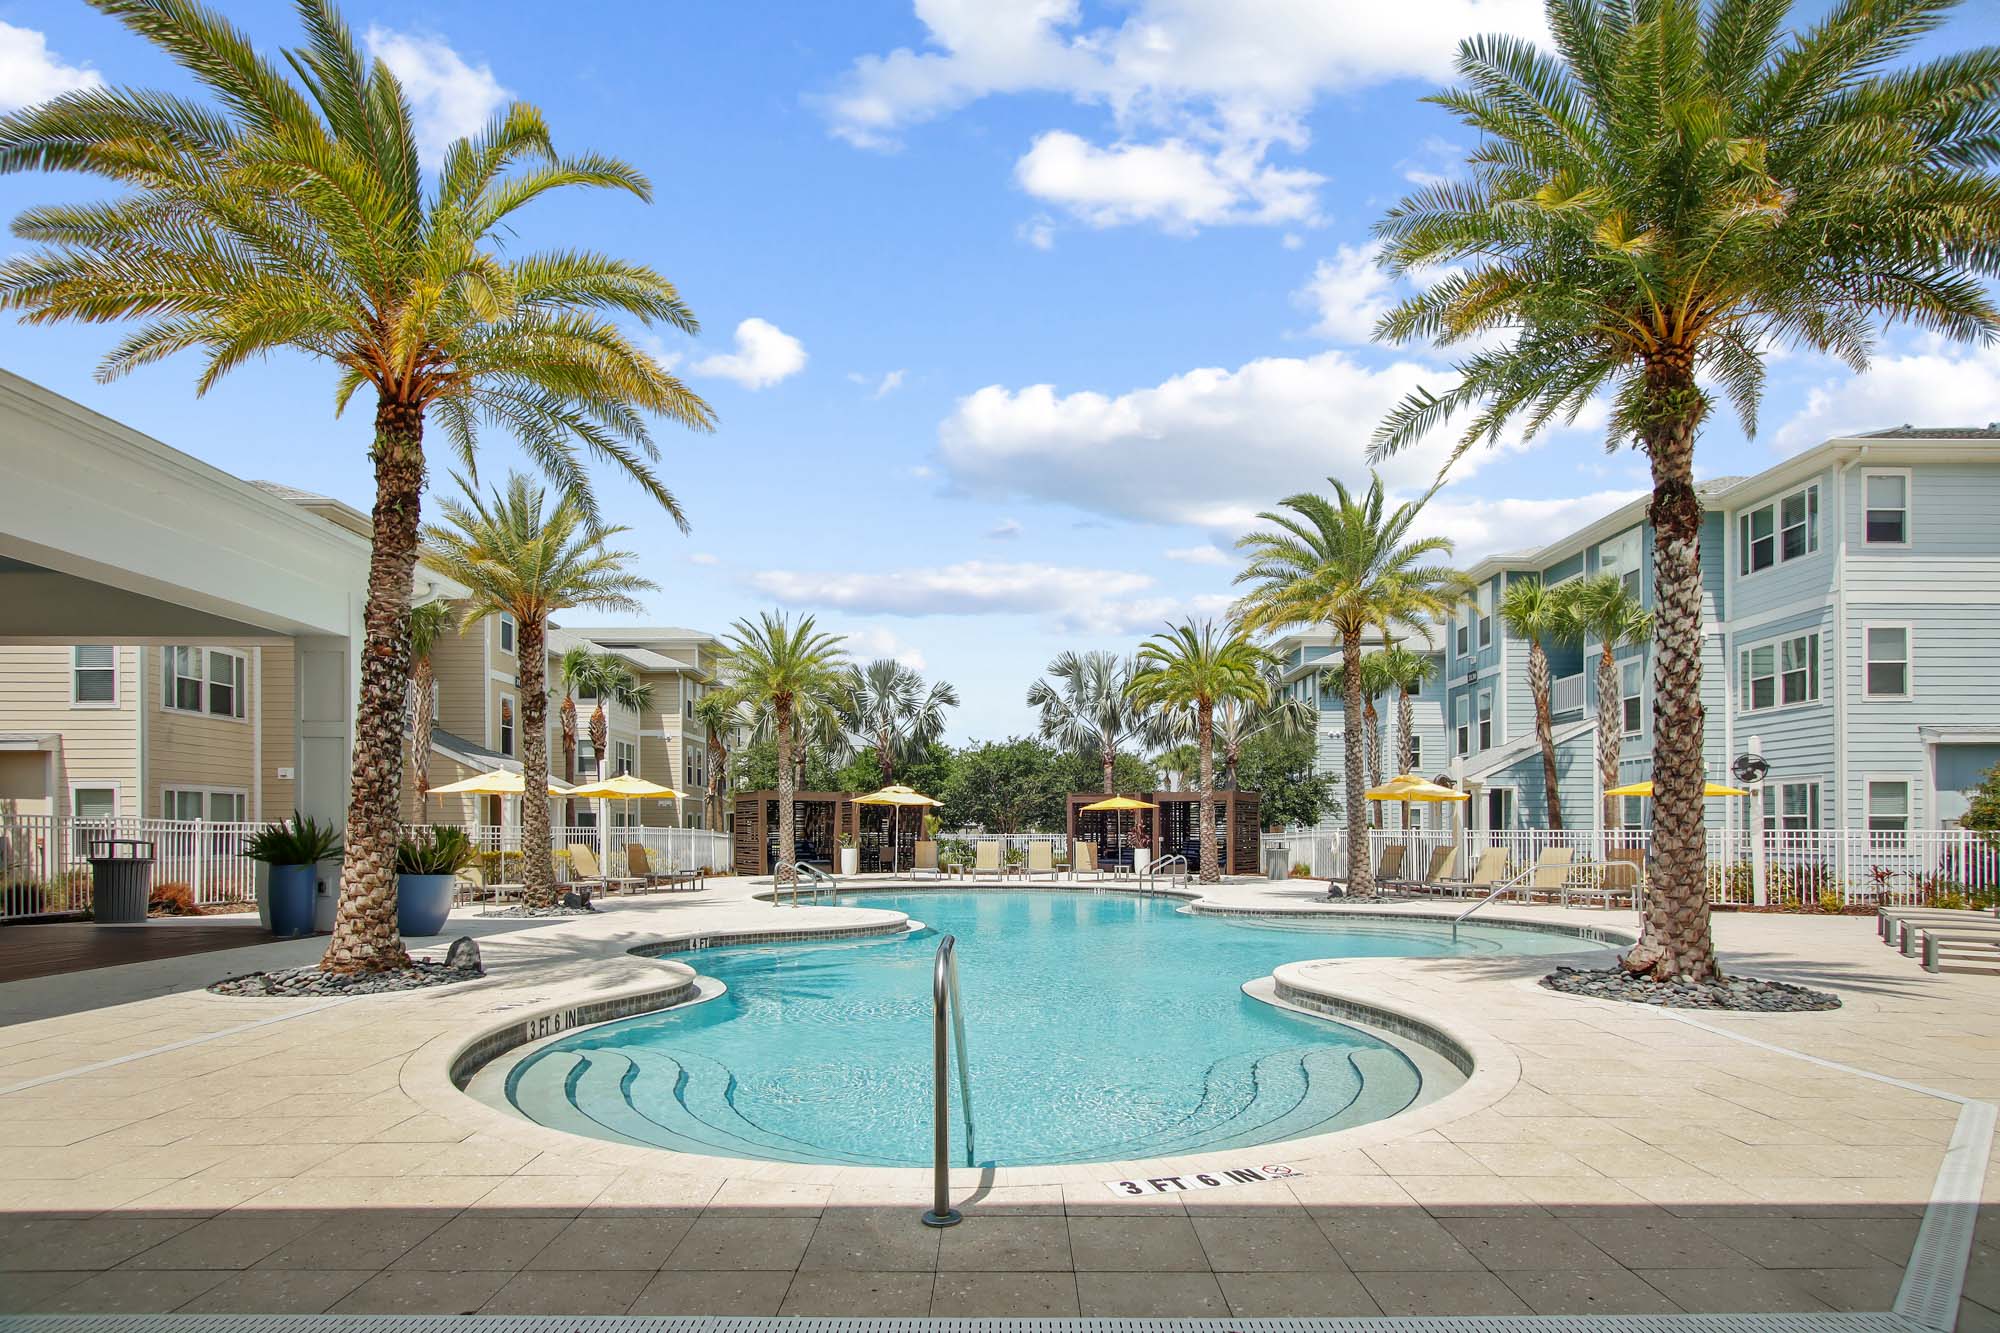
1566, 695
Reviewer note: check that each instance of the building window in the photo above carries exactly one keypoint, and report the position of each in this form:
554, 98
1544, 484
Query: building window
204, 680
1485, 609
1462, 732
193, 804
1632, 810
623, 757
1887, 521
1620, 557
1791, 807
1785, 529
1486, 720
1888, 813
1464, 640
1632, 695
507, 727
506, 633
1416, 752
1888, 662
92, 811
1778, 675
94, 676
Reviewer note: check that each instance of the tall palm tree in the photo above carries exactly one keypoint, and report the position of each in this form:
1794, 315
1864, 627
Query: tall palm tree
1239, 721
1194, 668
790, 675
1087, 708
1350, 563
617, 687
891, 713
1676, 189
578, 671
288, 211
720, 713
1374, 684
529, 561
1407, 672
1532, 610
1604, 609
428, 624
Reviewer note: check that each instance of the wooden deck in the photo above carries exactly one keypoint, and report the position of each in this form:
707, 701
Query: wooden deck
80, 946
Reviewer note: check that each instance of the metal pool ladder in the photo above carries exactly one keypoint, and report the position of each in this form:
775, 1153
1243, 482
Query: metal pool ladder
802, 871
944, 997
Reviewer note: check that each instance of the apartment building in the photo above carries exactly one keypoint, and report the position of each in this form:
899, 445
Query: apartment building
679, 664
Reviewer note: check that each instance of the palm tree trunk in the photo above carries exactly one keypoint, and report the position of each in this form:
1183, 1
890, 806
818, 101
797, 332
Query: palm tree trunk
1406, 759
1360, 872
1110, 758
600, 738
1211, 867
717, 757
1610, 729
568, 716
538, 876
364, 925
420, 737
1545, 731
1373, 721
785, 831
1675, 939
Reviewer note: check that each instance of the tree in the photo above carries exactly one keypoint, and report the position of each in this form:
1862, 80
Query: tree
1351, 564
1982, 811
1009, 786
1675, 190
1407, 672
578, 671
1194, 668
1086, 708
890, 712
530, 562
1282, 769
1238, 722
1532, 610
290, 212
721, 716
1604, 609
790, 675
754, 767
619, 686
1374, 684
1177, 763
428, 624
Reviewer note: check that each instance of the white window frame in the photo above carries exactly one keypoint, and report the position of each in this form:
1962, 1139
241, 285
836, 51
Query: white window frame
237, 795
586, 767
1624, 725
1745, 691
1416, 752
1890, 838
170, 679
1771, 812
506, 722
91, 784
1909, 505
1483, 718
1775, 506
1461, 729
1868, 628
509, 633
1483, 607
624, 757
76, 667
1634, 577
1462, 640
82, 825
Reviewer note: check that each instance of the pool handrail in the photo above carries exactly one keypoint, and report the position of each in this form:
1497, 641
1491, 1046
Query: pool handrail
944, 996
801, 870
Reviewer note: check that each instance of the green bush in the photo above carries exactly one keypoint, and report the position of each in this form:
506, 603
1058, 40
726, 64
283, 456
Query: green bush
435, 851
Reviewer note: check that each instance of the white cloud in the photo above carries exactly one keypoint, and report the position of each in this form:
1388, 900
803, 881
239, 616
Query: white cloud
1204, 88
1006, 530
868, 642
1293, 241
450, 98
923, 472
1040, 232
889, 384
1219, 444
704, 558
1349, 293
1072, 598
1206, 554
1174, 184
1938, 385
764, 355
1435, 162
31, 73
1480, 526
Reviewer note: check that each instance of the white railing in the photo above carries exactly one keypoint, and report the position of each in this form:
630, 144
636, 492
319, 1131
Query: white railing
1566, 695
1013, 846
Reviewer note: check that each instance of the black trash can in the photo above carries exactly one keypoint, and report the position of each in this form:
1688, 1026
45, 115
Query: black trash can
121, 880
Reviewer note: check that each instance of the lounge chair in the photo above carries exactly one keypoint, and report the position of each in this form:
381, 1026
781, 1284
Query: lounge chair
1443, 861
1487, 871
1549, 874
1041, 860
584, 870
986, 860
1083, 861
640, 863
1617, 884
926, 865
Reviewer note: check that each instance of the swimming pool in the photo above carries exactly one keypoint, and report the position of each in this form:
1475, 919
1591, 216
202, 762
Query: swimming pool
1099, 1026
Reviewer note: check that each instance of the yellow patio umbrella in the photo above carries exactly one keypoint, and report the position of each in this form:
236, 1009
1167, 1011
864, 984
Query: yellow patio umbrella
500, 782
1410, 787
898, 796
1646, 789
1122, 803
622, 787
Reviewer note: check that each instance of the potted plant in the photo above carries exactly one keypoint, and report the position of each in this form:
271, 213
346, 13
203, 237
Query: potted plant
293, 851
850, 856
427, 869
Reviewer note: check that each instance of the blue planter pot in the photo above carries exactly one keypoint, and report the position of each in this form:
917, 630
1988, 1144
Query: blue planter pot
292, 890
423, 902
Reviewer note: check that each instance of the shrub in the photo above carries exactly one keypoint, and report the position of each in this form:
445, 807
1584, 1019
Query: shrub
435, 851
173, 899
303, 841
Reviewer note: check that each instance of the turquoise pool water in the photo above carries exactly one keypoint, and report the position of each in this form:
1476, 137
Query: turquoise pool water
1100, 1026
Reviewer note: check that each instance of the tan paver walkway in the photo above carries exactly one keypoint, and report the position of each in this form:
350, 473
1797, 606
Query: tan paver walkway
287, 1156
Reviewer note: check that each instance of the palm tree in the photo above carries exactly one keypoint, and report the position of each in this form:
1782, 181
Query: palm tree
1193, 668
1407, 672
1374, 684
428, 624
578, 671
518, 559
1604, 609
1676, 189
1348, 563
289, 212
720, 713
1088, 709
1532, 610
890, 712
790, 675
1239, 721
617, 686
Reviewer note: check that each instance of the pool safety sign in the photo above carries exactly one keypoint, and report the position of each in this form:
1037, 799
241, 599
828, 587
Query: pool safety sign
1202, 1180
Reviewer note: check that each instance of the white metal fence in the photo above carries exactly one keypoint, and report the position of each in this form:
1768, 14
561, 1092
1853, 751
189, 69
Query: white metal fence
45, 859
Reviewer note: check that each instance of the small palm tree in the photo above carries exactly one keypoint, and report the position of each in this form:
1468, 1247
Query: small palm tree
578, 671
1350, 563
1193, 668
1532, 610
618, 687
890, 712
1374, 684
720, 713
1407, 672
527, 561
1604, 609
1674, 190
1087, 708
790, 676
290, 213
1239, 721
428, 624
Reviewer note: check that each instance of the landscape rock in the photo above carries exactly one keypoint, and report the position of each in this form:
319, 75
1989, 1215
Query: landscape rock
311, 983
463, 956
1743, 994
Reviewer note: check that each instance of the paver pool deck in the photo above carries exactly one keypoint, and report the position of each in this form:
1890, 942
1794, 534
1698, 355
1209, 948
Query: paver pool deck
170, 1150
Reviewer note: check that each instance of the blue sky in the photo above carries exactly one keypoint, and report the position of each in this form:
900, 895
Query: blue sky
1013, 315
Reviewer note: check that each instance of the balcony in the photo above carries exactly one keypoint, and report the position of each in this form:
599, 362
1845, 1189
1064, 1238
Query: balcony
1566, 696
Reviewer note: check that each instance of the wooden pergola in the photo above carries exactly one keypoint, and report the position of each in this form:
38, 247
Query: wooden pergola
819, 818
1174, 828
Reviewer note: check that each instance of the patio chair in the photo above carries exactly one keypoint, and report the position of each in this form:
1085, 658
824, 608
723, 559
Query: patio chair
640, 863
1443, 861
1549, 874
1617, 884
1390, 870
926, 864
1488, 870
472, 887
986, 860
1041, 860
1083, 861
584, 870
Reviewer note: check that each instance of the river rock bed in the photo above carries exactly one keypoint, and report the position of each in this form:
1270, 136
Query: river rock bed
311, 983
1745, 994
